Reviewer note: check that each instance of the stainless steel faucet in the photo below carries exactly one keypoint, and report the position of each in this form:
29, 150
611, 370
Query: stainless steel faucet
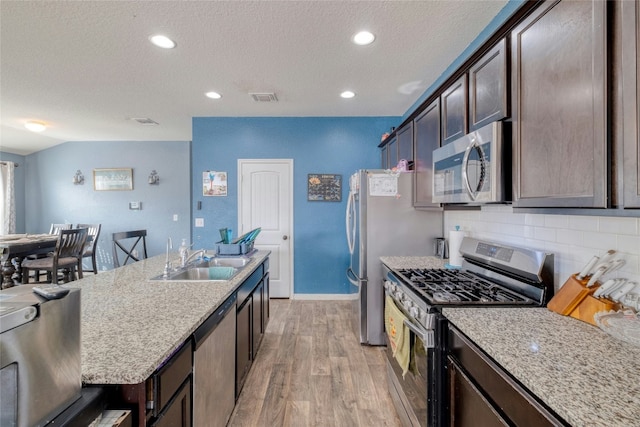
190, 257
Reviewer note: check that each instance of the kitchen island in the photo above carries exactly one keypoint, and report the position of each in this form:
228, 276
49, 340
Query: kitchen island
132, 325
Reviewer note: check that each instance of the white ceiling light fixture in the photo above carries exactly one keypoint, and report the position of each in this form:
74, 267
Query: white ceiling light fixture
162, 41
347, 94
363, 38
35, 126
213, 95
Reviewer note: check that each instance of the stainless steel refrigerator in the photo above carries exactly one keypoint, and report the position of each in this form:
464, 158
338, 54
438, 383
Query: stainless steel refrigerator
381, 221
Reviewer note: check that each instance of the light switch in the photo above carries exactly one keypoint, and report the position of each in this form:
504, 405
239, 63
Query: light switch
135, 206
199, 222
175, 217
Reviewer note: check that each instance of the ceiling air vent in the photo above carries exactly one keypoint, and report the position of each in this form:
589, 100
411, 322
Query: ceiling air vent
264, 97
145, 121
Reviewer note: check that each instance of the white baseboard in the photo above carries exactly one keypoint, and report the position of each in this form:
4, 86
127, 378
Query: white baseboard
325, 297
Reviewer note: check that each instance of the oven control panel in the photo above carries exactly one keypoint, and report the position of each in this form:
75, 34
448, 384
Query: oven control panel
494, 251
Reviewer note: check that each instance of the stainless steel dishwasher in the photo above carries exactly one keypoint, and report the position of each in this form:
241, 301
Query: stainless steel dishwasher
214, 367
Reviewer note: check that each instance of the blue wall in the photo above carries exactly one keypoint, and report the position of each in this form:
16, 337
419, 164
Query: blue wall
53, 198
317, 145
19, 187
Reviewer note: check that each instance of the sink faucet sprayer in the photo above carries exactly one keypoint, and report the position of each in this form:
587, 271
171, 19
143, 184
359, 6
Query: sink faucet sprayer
167, 264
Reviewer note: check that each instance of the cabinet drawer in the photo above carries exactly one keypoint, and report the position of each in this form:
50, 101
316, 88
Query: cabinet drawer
169, 378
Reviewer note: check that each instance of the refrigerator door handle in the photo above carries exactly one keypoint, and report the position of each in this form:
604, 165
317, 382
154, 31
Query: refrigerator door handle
353, 279
350, 223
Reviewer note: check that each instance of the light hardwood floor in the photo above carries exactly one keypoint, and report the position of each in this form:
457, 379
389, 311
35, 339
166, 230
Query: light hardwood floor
312, 371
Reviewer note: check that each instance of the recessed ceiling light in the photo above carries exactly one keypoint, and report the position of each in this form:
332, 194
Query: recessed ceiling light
347, 94
213, 95
363, 38
35, 126
162, 41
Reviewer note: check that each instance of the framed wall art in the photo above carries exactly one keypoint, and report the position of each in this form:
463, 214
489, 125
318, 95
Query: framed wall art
324, 187
113, 179
214, 183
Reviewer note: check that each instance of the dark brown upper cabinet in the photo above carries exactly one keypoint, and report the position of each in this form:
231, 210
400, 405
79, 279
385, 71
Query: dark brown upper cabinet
488, 87
630, 90
384, 157
392, 152
559, 106
454, 110
426, 130
405, 143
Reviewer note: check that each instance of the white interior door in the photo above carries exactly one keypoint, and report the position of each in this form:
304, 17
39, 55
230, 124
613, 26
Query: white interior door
265, 199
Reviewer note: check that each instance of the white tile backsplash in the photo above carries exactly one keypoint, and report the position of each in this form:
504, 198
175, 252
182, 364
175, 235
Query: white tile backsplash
573, 239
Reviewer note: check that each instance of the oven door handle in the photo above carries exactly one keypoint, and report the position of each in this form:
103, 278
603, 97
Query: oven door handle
427, 336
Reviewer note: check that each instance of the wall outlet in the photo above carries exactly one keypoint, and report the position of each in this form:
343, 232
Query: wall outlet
175, 217
199, 222
135, 206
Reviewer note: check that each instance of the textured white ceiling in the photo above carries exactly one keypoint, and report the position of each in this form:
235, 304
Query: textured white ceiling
86, 67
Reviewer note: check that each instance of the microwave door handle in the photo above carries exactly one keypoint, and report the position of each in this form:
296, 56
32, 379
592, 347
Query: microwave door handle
465, 163
465, 176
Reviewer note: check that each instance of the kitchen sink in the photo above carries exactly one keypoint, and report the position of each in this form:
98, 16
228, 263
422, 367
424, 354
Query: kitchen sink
236, 262
214, 269
206, 273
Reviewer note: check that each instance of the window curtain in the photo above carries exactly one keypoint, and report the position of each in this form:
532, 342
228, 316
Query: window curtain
7, 198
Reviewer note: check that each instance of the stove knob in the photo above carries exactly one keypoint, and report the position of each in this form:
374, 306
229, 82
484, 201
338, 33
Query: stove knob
407, 305
415, 312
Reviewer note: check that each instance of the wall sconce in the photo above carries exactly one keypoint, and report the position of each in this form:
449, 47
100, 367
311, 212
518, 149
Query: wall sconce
78, 178
154, 179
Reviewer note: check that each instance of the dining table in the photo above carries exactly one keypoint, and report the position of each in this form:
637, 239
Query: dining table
15, 247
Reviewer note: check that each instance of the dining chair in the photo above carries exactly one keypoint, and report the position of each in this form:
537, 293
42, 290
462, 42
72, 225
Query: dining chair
55, 228
125, 245
90, 246
67, 257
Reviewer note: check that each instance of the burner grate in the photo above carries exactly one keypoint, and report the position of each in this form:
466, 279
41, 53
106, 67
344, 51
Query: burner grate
443, 286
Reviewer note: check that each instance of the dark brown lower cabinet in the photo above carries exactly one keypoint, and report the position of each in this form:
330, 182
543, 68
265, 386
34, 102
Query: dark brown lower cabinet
482, 393
257, 331
178, 412
243, 344
468, 406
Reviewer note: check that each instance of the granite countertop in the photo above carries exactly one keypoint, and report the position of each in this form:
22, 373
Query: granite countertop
130, 324
586, 376
397, 262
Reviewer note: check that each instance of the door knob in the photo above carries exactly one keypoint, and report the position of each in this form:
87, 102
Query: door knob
285, 237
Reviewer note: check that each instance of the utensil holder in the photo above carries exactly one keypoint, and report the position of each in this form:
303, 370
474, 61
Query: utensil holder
575, 299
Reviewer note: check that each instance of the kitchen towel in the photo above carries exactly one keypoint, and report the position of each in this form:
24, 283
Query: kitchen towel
455, 241
398, 334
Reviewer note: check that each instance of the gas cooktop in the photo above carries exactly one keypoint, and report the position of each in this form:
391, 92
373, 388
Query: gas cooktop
492, 274
459, 287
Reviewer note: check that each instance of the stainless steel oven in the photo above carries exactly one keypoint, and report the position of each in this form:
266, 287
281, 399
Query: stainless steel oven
492, 275
415, 393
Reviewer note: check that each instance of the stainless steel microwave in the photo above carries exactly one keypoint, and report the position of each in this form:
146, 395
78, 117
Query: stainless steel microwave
473, 169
